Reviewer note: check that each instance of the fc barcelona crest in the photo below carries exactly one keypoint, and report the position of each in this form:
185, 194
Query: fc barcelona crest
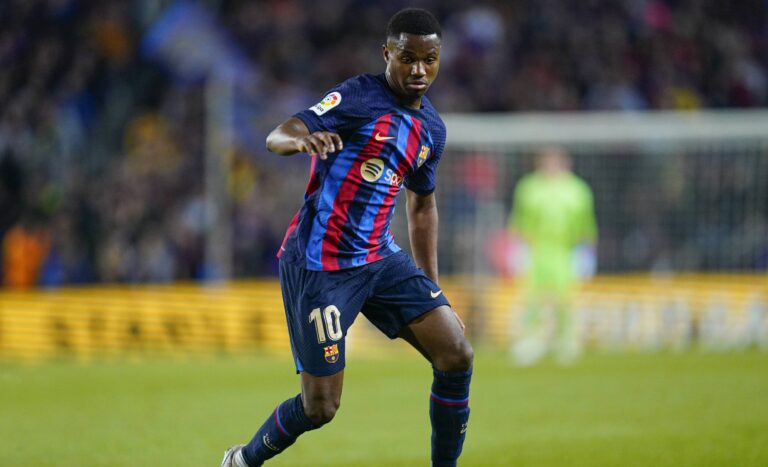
423, 154
332, 353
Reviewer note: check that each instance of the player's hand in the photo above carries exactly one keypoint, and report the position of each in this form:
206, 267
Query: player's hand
320, 144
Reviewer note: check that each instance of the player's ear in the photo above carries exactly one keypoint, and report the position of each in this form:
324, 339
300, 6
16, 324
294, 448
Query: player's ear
385, 52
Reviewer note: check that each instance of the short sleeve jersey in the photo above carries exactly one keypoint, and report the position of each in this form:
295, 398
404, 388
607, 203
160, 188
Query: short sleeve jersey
350, 198
554, 213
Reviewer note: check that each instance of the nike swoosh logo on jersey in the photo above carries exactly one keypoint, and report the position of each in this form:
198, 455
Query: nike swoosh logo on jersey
435, 294
378, 137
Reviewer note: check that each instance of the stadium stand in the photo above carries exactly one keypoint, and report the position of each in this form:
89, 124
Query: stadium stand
102, 148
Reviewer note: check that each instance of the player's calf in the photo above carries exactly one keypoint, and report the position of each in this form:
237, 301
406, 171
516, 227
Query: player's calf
278, 432
449, 414
449, 401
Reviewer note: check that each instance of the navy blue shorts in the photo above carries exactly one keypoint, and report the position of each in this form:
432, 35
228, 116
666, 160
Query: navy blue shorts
321, 306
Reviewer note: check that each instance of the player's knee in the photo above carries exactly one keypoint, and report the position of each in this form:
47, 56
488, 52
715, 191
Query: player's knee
457, 358
464, 357
321, 411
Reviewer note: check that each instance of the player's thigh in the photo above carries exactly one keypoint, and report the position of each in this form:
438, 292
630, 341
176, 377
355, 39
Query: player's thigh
401, 294
408, 304
438, 335
320, 307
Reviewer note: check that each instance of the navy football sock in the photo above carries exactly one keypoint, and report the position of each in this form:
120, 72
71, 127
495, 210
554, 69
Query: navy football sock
449, 413
279, 431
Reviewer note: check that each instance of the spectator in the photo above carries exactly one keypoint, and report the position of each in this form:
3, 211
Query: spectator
111, 147
25, 248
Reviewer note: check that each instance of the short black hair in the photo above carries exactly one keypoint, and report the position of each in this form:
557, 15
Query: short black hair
413, 21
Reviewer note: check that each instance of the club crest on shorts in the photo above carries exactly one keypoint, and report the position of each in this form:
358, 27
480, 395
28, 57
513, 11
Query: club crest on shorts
423, 154
332, 353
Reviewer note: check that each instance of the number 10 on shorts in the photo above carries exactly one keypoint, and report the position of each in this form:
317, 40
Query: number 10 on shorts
327, 320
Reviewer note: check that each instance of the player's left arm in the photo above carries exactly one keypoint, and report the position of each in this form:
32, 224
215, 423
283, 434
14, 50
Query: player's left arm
588, 231
585, 254
422, 232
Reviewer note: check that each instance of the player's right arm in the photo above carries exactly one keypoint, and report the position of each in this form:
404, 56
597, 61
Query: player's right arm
587, 221
519, 219
293, 136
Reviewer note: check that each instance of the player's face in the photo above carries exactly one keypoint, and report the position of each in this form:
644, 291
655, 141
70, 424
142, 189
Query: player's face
412, 64
553, 161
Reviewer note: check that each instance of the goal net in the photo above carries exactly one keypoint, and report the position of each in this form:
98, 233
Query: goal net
681, 201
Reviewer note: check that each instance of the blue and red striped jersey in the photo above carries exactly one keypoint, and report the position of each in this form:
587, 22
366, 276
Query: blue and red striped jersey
350, 198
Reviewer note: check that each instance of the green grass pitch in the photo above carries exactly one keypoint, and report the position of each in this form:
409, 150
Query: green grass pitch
689, 409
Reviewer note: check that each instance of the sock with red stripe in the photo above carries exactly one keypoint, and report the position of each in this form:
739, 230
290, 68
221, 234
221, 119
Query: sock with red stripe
279, 431
449, 413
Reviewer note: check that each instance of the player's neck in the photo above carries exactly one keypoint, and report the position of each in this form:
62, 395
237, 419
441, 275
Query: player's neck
415, 105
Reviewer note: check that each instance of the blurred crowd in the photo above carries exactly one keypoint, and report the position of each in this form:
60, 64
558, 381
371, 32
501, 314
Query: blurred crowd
532, 54
102, 150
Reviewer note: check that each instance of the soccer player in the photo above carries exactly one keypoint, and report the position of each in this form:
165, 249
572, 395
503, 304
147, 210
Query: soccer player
553, 212
367, 138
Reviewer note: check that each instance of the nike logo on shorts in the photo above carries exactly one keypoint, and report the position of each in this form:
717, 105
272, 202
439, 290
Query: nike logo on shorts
435, 294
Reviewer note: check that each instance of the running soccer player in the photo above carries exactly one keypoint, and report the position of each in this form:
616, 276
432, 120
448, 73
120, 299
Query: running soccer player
368, 137
553, 212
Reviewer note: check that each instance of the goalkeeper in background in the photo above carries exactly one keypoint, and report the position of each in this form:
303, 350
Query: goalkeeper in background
553, 213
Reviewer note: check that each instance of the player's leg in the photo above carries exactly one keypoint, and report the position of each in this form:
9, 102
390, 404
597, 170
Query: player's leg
407, 304
533, 342
322, 396
567, 348
531, 345
439, 337
314, 407
319, 308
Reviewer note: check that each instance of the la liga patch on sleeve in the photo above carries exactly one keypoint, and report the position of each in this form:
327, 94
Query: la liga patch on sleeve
330, 101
